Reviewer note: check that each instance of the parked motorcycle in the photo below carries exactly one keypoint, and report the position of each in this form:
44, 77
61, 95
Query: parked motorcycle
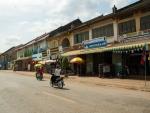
123, 73
57, 81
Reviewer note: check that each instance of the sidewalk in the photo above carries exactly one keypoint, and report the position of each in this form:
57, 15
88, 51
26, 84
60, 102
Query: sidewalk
121, 83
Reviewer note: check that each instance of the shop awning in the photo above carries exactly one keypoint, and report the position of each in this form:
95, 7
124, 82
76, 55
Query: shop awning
104, 49
128, 47
87, 51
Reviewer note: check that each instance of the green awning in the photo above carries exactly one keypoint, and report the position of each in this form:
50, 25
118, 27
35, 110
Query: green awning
105, 49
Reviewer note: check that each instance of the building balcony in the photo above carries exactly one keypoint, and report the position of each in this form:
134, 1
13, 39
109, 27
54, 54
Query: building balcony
135, 36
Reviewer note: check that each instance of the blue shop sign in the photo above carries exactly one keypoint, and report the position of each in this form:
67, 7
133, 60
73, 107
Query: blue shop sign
98, 42
37, 57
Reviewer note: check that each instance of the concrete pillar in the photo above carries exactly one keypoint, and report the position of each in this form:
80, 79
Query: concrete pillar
90, 34
137, 20
115, 27
71, 39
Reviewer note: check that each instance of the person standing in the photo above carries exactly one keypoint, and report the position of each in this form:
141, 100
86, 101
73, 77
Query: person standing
0, 66
29, 67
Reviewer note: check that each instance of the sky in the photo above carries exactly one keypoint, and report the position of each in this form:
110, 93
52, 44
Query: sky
24, 20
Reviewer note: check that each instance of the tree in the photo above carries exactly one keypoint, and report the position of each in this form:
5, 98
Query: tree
64, 63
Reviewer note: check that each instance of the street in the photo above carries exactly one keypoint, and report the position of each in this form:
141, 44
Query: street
24, 94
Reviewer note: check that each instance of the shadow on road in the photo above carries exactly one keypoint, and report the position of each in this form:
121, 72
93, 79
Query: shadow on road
61, 89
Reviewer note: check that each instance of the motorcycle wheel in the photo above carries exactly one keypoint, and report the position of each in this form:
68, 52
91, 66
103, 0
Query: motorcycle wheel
60, 84
38, 77
50, 83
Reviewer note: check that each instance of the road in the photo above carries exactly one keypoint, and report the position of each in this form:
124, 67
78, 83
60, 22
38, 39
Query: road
23, 94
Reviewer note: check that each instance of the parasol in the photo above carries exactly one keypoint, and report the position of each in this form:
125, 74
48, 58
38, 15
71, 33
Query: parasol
77, 60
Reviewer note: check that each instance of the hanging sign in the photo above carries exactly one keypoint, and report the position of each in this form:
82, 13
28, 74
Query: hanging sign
97, 42
37, 57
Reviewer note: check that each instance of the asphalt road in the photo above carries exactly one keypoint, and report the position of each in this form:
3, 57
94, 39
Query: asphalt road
23, 94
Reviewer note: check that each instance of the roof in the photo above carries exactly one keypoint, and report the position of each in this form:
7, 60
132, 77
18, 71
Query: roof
12, 48
66, 27
89, 22
42, 37
131, 7
137, 5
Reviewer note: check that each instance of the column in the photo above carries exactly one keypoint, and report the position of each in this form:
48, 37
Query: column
137, 21
71, 40
115, 28
90, 34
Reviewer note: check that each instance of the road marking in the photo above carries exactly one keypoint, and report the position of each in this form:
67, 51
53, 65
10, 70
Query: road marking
59, 97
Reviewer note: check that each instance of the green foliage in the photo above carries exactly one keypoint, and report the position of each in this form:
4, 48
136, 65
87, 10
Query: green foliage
65, 63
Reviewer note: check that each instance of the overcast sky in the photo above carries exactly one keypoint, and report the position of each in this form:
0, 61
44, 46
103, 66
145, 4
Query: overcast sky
23, 20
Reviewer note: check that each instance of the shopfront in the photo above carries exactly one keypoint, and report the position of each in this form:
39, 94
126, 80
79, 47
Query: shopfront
93, 54
22, 64
134, 57
117, 56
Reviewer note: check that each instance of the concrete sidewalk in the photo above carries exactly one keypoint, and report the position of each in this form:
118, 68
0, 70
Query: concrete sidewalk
121, 83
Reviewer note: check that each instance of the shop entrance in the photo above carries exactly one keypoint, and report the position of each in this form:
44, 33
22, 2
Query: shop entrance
135, 64
101, 58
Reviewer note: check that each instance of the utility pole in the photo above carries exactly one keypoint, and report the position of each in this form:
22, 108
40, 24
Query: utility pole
145, 63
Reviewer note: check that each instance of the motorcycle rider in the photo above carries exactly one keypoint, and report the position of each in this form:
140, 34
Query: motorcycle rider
40, 70
56, 75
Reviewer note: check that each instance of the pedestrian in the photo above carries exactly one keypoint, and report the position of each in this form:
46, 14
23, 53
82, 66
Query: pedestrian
29, 66
0, 66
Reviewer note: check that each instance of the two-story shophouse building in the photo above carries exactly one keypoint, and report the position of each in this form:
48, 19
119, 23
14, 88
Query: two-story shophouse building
31, 52
60, 40
116, 40
7, 58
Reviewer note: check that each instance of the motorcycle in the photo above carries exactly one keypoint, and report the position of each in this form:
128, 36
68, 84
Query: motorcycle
57, 81
39, 71
39, 74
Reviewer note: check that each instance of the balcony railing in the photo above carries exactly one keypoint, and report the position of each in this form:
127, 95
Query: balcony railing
135, 36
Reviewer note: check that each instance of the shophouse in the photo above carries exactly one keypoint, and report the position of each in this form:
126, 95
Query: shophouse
7, 59
40, 49
31, 52
60, 40
116, 39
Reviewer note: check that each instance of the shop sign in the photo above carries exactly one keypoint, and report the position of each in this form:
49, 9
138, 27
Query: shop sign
97, 42
37, 57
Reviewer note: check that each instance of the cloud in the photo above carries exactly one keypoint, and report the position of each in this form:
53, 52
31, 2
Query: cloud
23, 20
12, 40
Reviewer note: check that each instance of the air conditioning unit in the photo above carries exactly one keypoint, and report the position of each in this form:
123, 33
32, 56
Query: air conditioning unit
124, 36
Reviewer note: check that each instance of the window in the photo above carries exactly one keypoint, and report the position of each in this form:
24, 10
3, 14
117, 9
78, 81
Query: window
65, 43
103, 31
127, 27
145, 22
79, 38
